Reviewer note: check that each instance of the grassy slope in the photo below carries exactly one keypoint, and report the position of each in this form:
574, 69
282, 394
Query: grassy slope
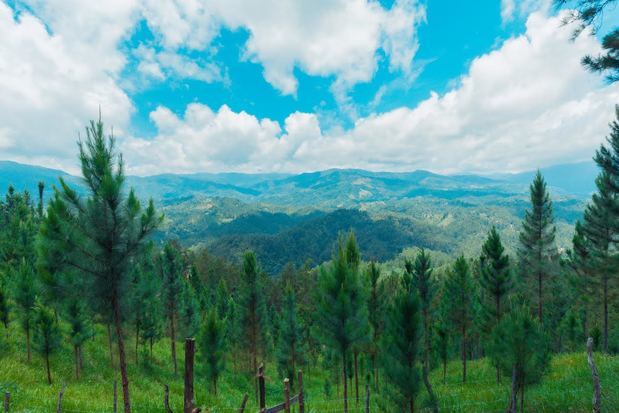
566, 388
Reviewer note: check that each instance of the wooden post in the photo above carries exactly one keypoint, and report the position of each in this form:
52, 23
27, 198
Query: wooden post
243, 403
166, 399
301, 396
190, 348
367, 398
115, 397
59, 406
7, 401
287, 395
597, 392
261, 391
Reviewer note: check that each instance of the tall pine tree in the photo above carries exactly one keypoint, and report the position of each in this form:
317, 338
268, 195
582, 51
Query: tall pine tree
342, 309
537, 241
290, 347
421, 272
172, 266
99, 234
458, 301
400, 344
46, 335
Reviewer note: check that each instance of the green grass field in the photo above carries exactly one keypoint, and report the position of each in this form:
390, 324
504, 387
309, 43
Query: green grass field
566, 388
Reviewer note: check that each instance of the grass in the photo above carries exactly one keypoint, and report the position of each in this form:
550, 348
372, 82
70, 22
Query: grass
566, 387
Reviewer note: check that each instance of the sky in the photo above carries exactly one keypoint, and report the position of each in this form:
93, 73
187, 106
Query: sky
293, 85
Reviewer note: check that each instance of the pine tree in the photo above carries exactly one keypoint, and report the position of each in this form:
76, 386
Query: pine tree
601, 221
458, 301
495, 273
342, 309
172, 267
253, 315
4, 303
189, 312
80, 330
400, 347
98, 236
520, 348
212, 345
46, 335
537, 238
359, 303
376, 313
290, 347
442, 339
222, 298
148, 306
24, 297
582, 279
421, 272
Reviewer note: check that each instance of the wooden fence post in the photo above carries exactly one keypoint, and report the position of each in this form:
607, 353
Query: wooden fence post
190, 348
243, 403
301, 395
7, 401
367, 398
597, 391
166, 399
115, 397
261, 391
287, 395
59, 406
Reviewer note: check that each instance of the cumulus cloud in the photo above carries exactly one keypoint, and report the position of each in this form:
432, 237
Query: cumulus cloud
49, 87
527, 104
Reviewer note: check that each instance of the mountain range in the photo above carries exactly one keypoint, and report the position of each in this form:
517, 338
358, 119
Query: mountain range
297, 217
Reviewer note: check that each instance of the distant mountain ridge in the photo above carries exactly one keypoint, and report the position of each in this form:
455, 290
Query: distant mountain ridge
330, 188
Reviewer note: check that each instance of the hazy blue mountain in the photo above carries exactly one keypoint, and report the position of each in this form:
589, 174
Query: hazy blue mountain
577, 178
27, 177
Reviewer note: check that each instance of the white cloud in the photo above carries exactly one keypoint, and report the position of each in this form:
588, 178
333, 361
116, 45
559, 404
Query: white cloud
50, 85
324, 37
529, 103
522, 8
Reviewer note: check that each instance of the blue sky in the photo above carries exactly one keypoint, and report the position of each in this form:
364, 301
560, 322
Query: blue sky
454, 34
289, 85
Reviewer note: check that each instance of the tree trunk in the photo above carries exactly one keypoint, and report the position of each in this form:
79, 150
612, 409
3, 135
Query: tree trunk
188, 376
539, 297
426, 362
597, 391
121, 355
356, 354
29, 354
513, 404
605, 314
464, 354
109, 340
49, 372
412, 405
345, 383
522, 396
137, 342
77, 361
173, 343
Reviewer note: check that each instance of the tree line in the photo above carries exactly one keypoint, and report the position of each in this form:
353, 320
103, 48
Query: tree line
80, 259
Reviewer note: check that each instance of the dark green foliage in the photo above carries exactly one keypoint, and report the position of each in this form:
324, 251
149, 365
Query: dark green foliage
253, 316
458, 301
98, 236
148, 305
590, 13
601, 223
212, 347
401, 347
80, 330
521, 349
342, 307
290, 346
24, 296
442, 342
495, 280
426, 286
189, 312
571, 331
172, 268
47, 336
4, 303
537, 238
376, 313
222, 299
